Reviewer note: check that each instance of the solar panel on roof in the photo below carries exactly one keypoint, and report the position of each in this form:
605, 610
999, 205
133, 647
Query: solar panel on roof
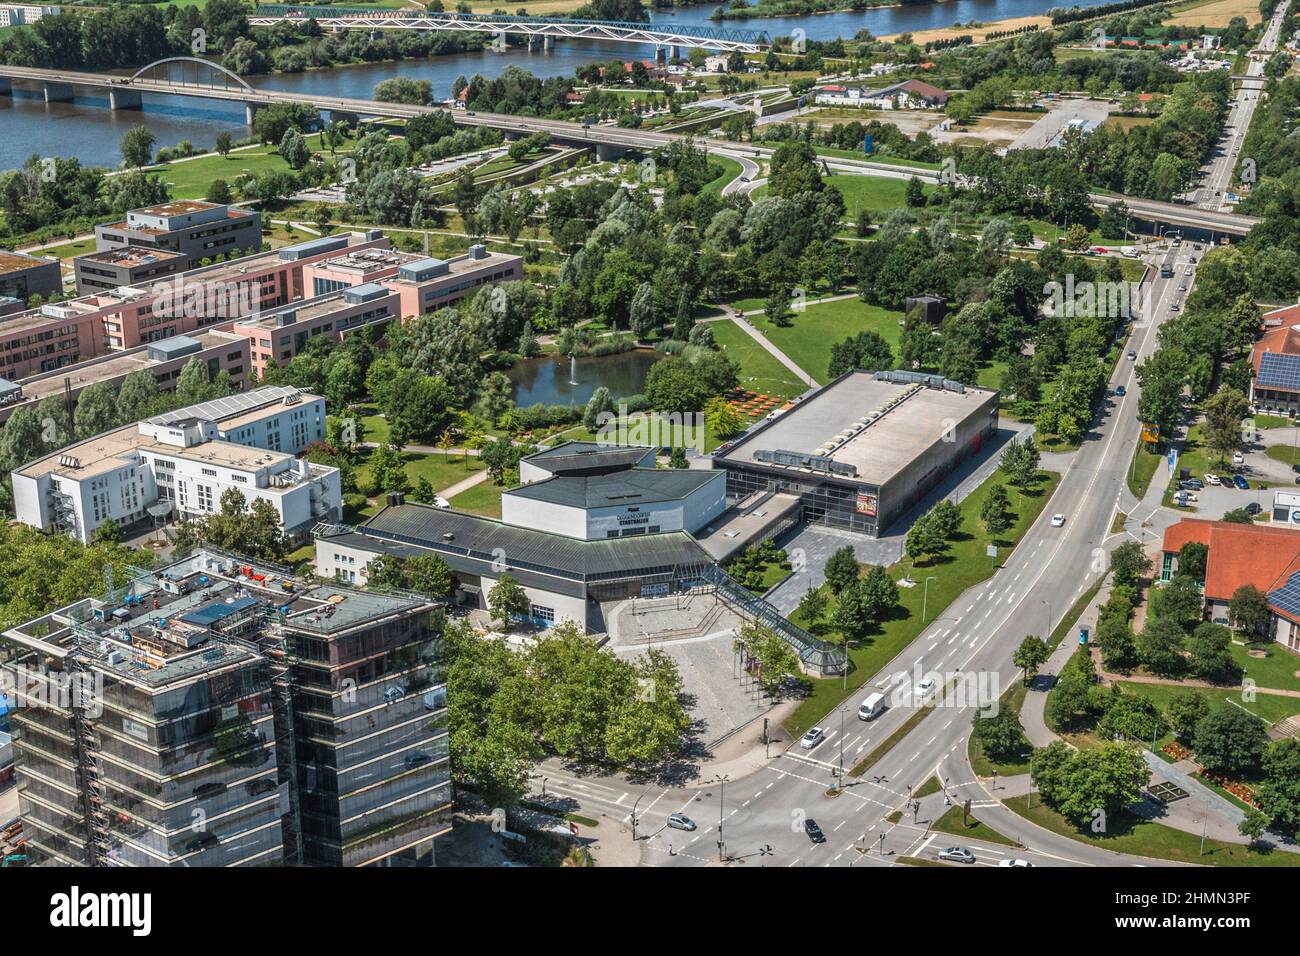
1279, 370
1287, 597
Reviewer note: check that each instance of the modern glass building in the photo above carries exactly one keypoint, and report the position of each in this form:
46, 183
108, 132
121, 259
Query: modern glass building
220, 713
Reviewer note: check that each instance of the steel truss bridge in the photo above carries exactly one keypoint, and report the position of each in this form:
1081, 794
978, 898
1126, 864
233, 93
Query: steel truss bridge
541, 28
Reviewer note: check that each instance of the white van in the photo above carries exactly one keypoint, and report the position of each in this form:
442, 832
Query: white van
872, 707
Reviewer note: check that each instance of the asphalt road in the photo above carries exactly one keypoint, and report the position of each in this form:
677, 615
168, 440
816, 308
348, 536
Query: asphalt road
1218, 177
1037, 583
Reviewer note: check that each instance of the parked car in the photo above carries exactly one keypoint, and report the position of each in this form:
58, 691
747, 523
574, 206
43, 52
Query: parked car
814, 832
680, 821
1238, 458
957, 854
1253, 508
1213, 480
1191, 484
811, 739
1240, 483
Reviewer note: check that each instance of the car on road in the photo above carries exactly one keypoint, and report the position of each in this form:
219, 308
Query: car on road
814, 832
1188, 271
1121, 391
925, 688
811, 739
1253, 508
1182, 287
1173, 306
680, 821
957, 854
1013, 861
1238, 458
1213, 480
1058, 520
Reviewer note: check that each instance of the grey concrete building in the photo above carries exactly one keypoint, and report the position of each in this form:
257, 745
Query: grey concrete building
201, 230
23, 276
134, 266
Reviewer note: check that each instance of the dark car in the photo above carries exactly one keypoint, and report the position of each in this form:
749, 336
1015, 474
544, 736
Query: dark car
814, 832
1191, 484
1253, 508
1120, 390
1240, 482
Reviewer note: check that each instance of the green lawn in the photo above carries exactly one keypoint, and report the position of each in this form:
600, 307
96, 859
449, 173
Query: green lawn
759, 370
69, 249
730, 170
812, 332
442, 472
876, 194
1142, 469
1144, 838
482, 499
964, 565
1270, 707
1277, 670
1287, 454
189, 179
951, 822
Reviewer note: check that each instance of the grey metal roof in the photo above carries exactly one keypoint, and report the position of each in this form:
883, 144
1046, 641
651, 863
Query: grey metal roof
476, 543
582, 455
312, 247
630, 486
174, 347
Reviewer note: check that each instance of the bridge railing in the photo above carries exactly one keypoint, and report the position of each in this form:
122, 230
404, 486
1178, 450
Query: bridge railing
701, 32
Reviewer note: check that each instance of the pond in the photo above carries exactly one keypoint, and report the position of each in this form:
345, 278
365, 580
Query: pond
546, 379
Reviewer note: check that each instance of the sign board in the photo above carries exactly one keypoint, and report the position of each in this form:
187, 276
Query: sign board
991, 550
867, 144
1150, 433
866, 504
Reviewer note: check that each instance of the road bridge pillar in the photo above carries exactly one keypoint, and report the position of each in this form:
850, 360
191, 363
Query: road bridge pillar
124, 100
57, 91
342, 116
250, 112
548, 44
661, 55
674, 52
6, 86
609, 153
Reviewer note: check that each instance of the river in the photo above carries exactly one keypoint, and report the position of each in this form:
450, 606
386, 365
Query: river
91, 132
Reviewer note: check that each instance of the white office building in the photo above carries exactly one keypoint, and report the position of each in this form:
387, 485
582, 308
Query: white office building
188, 458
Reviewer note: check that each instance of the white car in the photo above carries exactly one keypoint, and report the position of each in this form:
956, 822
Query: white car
1012, 861
925, 688
1212, 480
1058, 520
811, 739
1238, 458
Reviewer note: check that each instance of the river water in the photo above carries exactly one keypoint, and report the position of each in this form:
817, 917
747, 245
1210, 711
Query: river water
88, 130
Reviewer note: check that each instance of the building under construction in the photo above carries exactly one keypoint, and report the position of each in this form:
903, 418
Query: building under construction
217, 712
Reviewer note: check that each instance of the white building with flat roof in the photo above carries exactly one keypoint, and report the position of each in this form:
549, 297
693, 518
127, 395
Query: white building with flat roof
188, 458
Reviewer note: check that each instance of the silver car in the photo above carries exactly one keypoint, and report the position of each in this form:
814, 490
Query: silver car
957, 854
680, 821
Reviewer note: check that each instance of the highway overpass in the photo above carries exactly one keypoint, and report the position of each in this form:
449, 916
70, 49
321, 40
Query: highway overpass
189, 76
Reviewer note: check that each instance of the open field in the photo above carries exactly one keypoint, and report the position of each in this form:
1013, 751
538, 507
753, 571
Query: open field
812, 332
1216, 13
759, 371
976, 33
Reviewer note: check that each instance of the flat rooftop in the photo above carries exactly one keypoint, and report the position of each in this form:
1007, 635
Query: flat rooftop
367, 261
130, 256
17, 261
632, 486
177, 207
909, 418
116, 365
744, 523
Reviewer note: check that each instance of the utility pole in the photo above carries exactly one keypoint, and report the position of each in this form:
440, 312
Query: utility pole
722, 790
634, 806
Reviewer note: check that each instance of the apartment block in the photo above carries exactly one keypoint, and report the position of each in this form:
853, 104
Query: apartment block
126, 317
220, 712
196, 228
128, 266
220, 351
23, 276
187, 458
425, 284
276, 338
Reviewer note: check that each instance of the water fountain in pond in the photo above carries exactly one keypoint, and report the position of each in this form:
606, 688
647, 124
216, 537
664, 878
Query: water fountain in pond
573, 369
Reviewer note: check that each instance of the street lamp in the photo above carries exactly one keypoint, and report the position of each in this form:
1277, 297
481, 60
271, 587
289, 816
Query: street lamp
721, 780
634, 806
1048, 633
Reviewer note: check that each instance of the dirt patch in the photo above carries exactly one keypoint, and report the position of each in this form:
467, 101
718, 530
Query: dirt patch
1216, 13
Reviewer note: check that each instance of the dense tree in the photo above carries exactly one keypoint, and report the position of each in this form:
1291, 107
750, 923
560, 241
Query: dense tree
841, 569
1229, 740
1031, 655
